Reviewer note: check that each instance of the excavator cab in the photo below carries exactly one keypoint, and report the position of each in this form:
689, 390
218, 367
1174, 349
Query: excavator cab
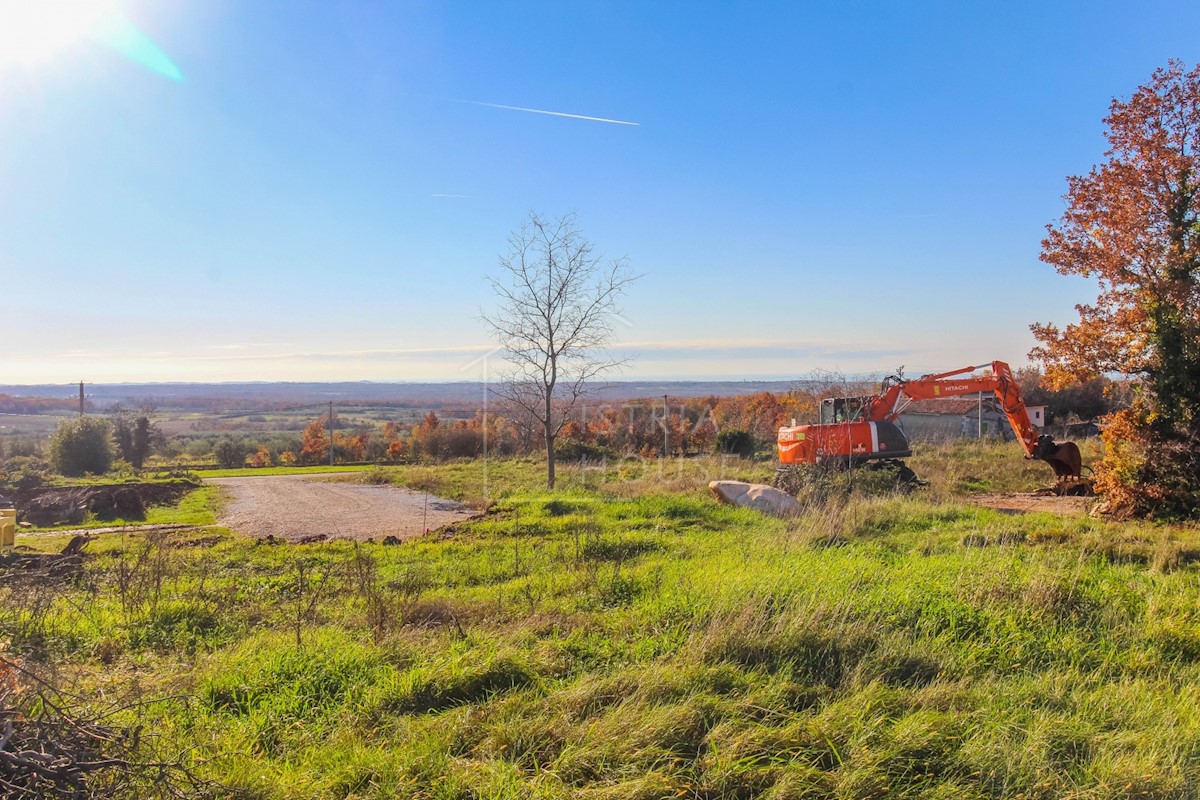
836, 410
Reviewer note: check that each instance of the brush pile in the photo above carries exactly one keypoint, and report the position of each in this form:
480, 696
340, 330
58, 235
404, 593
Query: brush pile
50, 748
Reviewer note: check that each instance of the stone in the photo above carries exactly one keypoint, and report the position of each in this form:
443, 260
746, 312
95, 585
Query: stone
759, 496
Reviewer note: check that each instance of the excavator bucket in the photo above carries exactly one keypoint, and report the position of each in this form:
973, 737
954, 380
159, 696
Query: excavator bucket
1067, 463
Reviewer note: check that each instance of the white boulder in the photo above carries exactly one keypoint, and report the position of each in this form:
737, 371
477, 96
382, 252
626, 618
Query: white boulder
758, 496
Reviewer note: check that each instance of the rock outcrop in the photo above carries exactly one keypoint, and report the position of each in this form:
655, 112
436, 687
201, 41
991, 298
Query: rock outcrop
758, 496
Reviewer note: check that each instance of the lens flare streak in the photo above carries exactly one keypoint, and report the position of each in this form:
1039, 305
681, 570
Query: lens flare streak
33, 32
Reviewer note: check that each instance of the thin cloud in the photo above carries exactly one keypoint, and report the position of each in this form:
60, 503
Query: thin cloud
342, 354
746, 345
439, 194
247, 345
543, 111
237, 353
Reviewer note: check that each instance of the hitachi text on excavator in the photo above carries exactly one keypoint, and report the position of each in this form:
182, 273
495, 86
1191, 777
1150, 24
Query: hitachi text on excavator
856, 431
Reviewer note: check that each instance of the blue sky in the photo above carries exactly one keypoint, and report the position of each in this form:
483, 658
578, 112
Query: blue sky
850, 186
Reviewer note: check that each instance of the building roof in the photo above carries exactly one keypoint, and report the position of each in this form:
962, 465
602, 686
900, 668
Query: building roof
953, 406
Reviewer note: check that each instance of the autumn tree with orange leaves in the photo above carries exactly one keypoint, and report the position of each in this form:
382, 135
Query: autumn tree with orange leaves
1133, 224
314, 443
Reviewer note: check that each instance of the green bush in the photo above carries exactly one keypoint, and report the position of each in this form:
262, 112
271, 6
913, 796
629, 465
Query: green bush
82, 445
24, 472
230, 453
575, 450
736, 442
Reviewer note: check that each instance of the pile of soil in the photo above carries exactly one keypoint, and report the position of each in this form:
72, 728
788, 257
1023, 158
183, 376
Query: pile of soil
50, 505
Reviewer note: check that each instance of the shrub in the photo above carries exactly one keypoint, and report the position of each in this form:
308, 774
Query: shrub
81, 445
23, 447
230, 453
1145, 472
462, 443
24, 472
575, 450
736, 443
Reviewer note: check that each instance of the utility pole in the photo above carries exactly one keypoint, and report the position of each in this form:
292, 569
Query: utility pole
331, 433
979, 418
666, 429
81, 398
485, 427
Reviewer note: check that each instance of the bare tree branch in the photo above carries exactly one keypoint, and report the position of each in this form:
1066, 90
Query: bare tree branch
54, 745
558, 298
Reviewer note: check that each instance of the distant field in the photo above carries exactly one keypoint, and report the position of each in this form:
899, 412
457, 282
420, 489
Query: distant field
27, 424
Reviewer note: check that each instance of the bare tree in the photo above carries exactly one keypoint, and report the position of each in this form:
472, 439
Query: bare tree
558, 300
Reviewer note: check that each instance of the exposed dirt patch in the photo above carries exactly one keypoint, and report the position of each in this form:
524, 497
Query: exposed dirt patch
303, 507
1028, 503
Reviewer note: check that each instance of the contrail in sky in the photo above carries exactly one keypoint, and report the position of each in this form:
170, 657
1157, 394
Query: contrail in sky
542, 111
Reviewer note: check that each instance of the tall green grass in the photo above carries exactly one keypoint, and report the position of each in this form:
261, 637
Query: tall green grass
633, 638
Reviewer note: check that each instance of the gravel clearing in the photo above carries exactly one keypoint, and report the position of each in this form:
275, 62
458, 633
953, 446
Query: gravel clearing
296, 507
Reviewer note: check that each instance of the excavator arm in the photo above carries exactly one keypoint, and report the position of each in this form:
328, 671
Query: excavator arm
861, 430
886, 407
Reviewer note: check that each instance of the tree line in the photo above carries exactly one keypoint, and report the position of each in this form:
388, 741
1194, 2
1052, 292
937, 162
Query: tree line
649, 428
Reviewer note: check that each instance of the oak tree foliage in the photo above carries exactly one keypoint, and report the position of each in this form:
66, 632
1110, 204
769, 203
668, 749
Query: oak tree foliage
1133, 224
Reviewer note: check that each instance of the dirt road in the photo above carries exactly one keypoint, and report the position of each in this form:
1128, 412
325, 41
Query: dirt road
1027, 503
299, 506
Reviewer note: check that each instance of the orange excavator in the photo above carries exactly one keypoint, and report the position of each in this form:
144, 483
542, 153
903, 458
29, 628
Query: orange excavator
863, 430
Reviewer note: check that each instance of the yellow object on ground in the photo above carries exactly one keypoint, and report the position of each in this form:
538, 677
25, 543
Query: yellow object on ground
8, 527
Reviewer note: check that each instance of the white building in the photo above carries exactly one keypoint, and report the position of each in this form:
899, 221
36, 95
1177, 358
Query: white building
948, 418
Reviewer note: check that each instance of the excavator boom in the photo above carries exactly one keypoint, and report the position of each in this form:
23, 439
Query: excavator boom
1000, 381
864, 429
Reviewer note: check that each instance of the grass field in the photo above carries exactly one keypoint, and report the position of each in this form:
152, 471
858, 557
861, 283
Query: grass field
628, 637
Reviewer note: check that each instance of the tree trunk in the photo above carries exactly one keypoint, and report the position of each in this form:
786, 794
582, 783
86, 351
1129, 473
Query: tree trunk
549, 458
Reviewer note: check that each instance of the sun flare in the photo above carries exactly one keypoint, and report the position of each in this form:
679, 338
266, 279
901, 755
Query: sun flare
35, 31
